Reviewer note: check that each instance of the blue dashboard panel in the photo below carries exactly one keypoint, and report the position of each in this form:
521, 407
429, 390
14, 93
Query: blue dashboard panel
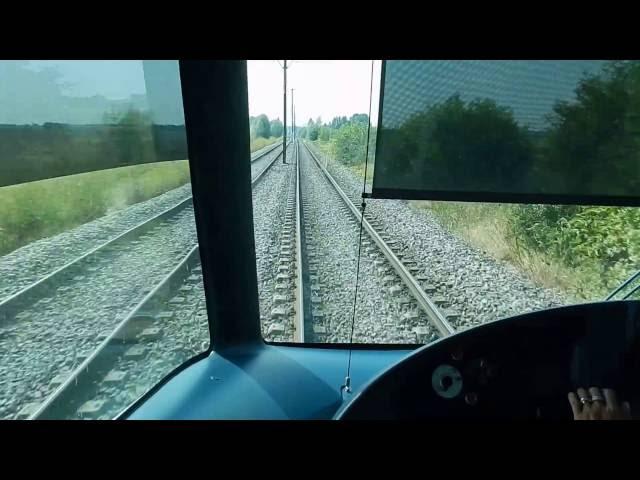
265, 382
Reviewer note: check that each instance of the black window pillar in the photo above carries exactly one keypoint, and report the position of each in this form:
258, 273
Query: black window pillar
216, 113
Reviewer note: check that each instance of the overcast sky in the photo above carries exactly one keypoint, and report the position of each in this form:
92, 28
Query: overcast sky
323, 88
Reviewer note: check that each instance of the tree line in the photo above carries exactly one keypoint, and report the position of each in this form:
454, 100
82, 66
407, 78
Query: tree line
262, 127
346, 136
37, 152
129, 137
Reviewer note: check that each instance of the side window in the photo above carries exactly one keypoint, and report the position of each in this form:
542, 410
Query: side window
101, 293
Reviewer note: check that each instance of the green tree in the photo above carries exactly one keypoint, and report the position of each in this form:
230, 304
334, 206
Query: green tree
359, 118
324, 133
312, 130
276, 128
129, 139
335, 123
349, 143
459, 145
597, 137
262, 126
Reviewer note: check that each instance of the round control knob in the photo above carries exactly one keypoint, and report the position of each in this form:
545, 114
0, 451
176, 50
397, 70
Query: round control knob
447, 381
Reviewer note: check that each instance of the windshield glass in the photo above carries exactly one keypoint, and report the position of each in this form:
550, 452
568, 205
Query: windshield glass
416, 270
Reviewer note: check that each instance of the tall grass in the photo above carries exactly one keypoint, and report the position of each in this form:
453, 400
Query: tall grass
39, 209
258, 143
488, 227
493, 229
359, 170
327, 153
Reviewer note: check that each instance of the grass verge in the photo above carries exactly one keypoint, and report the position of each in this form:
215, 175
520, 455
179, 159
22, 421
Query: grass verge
35, 210
258, 143
486, 227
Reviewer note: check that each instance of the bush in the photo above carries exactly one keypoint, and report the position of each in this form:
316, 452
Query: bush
602, 240
348, 143
536, 226
325, 134
312, 132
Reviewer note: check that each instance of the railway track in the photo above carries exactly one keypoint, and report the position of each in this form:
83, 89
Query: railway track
266, 150
261, 163
469, 287
374, 242
297, 312
11, 306
67, 384
89, 390
285, 285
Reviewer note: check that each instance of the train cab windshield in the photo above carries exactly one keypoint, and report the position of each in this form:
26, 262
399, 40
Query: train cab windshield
394, 238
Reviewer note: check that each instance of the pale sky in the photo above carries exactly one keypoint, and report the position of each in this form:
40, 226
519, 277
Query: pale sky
323, 88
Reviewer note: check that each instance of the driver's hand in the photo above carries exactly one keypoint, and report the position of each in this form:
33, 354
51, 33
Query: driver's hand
598, 404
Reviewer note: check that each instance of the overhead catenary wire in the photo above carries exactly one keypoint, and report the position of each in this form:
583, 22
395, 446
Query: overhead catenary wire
347, 381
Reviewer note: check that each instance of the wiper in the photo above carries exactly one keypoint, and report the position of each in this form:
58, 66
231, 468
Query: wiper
627, 286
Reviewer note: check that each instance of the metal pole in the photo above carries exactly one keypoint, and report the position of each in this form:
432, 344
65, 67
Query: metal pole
284, 130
